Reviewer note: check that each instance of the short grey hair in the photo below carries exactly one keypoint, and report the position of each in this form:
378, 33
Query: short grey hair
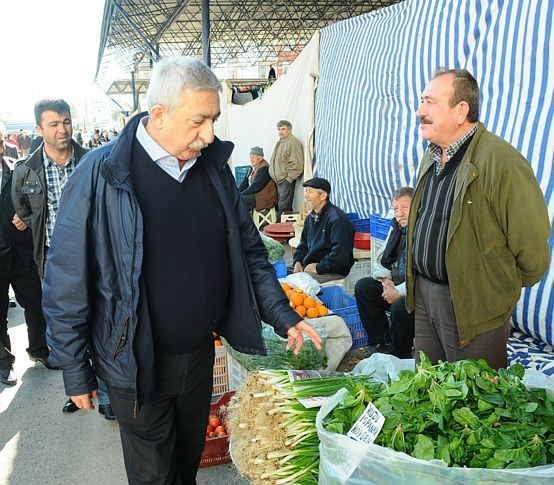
173, 74
403, 192
284, 123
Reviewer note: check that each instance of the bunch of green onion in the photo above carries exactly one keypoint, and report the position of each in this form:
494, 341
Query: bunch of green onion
273, 436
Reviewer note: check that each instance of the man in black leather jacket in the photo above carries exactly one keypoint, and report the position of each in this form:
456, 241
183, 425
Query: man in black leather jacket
152, 252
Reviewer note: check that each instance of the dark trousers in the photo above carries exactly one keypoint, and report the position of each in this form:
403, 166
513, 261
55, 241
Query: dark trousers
28, 293
372, 308
286, 195
163, 444
436, 330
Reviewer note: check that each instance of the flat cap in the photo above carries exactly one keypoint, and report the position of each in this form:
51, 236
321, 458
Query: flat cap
257, 151
318, 183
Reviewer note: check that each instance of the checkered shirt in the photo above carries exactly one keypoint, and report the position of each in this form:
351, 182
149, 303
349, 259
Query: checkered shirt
56, 178
435, 151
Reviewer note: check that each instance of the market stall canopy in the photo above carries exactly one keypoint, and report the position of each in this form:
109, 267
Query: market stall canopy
137, 32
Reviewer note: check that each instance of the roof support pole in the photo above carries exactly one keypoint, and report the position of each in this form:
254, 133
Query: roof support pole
206, 32
134, 91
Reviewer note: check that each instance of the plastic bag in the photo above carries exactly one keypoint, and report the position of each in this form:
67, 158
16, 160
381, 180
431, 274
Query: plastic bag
275, 249
304, 281
345, 461
279, 358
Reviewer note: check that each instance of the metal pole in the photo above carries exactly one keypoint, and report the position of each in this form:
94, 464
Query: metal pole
206, 32
134, 91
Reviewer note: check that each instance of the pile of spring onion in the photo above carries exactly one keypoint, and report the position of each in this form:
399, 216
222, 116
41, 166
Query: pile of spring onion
273, 436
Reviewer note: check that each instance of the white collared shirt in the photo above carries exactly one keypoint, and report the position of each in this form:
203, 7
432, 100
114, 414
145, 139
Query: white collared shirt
167, 162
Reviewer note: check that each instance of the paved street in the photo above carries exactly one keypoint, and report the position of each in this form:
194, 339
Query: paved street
41, 445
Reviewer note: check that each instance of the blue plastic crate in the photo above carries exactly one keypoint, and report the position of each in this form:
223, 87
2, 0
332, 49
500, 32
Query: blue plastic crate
240, 173
352, 216
280, 268
361, 225
344, 305
380, 226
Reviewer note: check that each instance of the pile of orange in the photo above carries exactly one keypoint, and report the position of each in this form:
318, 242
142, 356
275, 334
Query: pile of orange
217, 340
303, 304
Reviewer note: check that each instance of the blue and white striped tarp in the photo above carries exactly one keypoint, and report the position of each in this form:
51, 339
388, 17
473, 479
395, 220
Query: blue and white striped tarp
373, 69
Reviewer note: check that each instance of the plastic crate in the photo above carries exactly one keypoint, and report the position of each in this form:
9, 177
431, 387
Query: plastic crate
221, 379
280, 268
379, 227
240, 173
361, 225
291, 217
216, 450
352, 216
237, 373
361, 269
342, 304
376, 245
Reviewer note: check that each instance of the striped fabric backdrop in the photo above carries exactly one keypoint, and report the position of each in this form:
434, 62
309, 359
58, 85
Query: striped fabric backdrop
373, 69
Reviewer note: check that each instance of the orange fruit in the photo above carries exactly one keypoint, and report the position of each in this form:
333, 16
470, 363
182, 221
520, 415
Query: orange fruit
286, 287
297, 299
218, 343
309, 302
300, 310
322, 310
289, 293
312, 313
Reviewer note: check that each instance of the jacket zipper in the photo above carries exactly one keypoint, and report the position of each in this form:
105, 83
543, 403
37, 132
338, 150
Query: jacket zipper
121, 337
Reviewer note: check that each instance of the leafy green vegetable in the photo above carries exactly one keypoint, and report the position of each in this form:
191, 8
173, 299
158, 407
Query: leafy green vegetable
464, 413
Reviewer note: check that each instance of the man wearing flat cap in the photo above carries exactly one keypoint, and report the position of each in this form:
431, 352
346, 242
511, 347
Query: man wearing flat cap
286, 165
327, 239
257, 190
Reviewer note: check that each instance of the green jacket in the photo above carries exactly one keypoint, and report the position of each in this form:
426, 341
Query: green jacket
498, 234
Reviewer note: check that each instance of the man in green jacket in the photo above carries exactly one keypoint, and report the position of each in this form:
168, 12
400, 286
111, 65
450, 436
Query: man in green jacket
478, 229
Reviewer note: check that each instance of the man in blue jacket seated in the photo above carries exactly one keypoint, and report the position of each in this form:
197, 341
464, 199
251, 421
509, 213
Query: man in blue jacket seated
327, 239
257, 189
152, 251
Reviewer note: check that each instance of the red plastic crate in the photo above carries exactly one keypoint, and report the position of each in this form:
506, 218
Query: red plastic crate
216, 451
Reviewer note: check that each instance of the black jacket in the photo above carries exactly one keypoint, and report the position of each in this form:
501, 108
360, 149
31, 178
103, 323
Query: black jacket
91, 288
30, 197
13, 243
328, 240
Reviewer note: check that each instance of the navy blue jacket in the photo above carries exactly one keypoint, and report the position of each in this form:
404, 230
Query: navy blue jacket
91, 286
328, 240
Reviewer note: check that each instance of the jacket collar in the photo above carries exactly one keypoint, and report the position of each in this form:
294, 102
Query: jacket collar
35, 161
117, 166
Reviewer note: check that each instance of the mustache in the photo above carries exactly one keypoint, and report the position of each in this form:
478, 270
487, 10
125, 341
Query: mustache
425, 121
198, 145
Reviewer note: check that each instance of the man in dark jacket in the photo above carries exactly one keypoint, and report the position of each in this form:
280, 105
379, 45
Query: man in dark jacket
327, 239
37, 187
17, 268
151, 253
386, 290
257, 189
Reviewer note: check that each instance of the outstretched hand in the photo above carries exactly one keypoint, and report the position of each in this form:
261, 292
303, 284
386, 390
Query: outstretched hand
296, 340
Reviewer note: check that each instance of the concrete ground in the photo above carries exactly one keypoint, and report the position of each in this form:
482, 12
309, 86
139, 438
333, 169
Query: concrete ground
39, 445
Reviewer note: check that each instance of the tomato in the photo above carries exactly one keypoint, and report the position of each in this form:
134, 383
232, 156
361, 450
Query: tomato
209, 429
214, 421
212, 435
220, 430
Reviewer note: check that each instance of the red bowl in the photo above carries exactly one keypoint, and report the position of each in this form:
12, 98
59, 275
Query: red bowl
362, 240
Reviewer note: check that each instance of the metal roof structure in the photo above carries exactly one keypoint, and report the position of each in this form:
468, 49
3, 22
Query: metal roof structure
137, 32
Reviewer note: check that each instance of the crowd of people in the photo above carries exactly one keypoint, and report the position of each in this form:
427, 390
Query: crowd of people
141, 247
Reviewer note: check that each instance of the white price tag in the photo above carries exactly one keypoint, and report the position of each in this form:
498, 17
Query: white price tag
368, 426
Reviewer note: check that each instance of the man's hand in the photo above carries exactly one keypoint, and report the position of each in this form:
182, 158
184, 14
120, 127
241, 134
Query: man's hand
296, 339
84, 401
311, 268
390, 293
18, 223
298, 267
